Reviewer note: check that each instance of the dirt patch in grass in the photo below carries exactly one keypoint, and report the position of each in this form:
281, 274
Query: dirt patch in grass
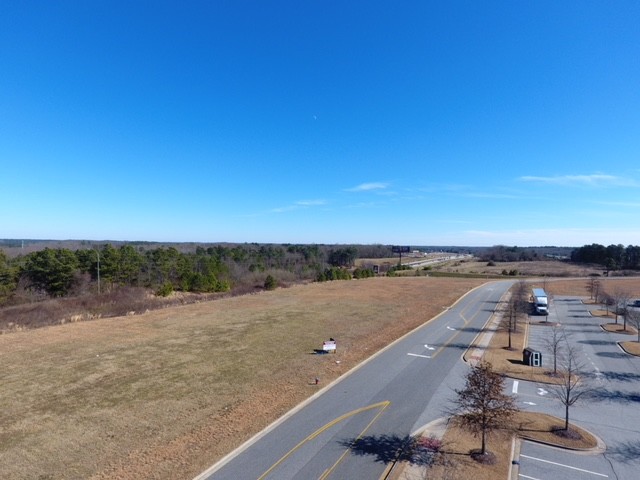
165, 394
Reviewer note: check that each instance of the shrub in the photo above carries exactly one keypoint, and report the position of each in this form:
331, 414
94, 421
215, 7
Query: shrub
426, 450
333, 273
270, 283
363, 273
165, 290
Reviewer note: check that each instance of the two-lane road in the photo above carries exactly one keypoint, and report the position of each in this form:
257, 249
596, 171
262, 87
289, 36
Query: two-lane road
354, 427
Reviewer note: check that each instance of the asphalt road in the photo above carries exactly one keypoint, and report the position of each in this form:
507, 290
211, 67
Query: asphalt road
355, 427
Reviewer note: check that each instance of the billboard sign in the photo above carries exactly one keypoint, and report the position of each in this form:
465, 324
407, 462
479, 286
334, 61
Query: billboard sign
400, 249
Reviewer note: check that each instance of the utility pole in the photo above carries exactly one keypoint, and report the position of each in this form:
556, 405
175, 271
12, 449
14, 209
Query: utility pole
98, 253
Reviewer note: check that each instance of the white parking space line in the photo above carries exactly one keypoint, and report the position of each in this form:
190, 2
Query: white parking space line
515, 386
565, 466
416, 355
527, 476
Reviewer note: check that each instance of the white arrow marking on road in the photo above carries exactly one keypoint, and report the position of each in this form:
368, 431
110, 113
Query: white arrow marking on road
528, 403
450, 328
429, 348
416, 355
542, 391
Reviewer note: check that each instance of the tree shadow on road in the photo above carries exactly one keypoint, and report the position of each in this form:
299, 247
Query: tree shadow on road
614, 396
471, 329
597, 342
612, 354
384, 448
625, 452
621, 376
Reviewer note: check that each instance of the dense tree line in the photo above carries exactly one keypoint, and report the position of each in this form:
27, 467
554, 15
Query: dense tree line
613, 257
501, 253
61, 272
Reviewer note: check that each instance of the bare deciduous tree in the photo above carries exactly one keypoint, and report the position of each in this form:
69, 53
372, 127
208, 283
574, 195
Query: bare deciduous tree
555, 343
517, 305
572, 386
509, 319
633, 316
522, 298
593, 286
621, 297
482, 406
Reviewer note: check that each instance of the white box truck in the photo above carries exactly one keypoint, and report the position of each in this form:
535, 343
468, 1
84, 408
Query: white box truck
540, 301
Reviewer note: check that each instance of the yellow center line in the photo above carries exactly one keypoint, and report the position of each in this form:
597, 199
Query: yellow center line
448, 342
328, 471
381, 405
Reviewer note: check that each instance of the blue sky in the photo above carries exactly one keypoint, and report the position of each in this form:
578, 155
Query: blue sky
415, 123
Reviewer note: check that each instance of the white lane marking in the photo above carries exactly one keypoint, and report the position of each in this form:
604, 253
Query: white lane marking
527, 476
566, 466
515, 386
416, 355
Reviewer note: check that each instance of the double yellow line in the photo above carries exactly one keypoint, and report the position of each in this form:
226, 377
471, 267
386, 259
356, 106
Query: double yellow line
381, 405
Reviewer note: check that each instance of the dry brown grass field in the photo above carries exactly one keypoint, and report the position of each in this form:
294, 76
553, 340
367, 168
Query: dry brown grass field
549, 268
165, 394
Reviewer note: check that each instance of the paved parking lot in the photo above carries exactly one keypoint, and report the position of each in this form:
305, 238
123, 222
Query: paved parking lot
612, 412
539, 462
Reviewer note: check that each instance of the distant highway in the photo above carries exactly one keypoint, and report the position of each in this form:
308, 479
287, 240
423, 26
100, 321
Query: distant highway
355, 427
433, 261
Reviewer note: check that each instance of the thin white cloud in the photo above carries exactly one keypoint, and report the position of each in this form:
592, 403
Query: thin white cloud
311, 203
436, 188
594, 180
620, 204
368, 187
467, 191
300, 204
288, 208
366, 205
491, 195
